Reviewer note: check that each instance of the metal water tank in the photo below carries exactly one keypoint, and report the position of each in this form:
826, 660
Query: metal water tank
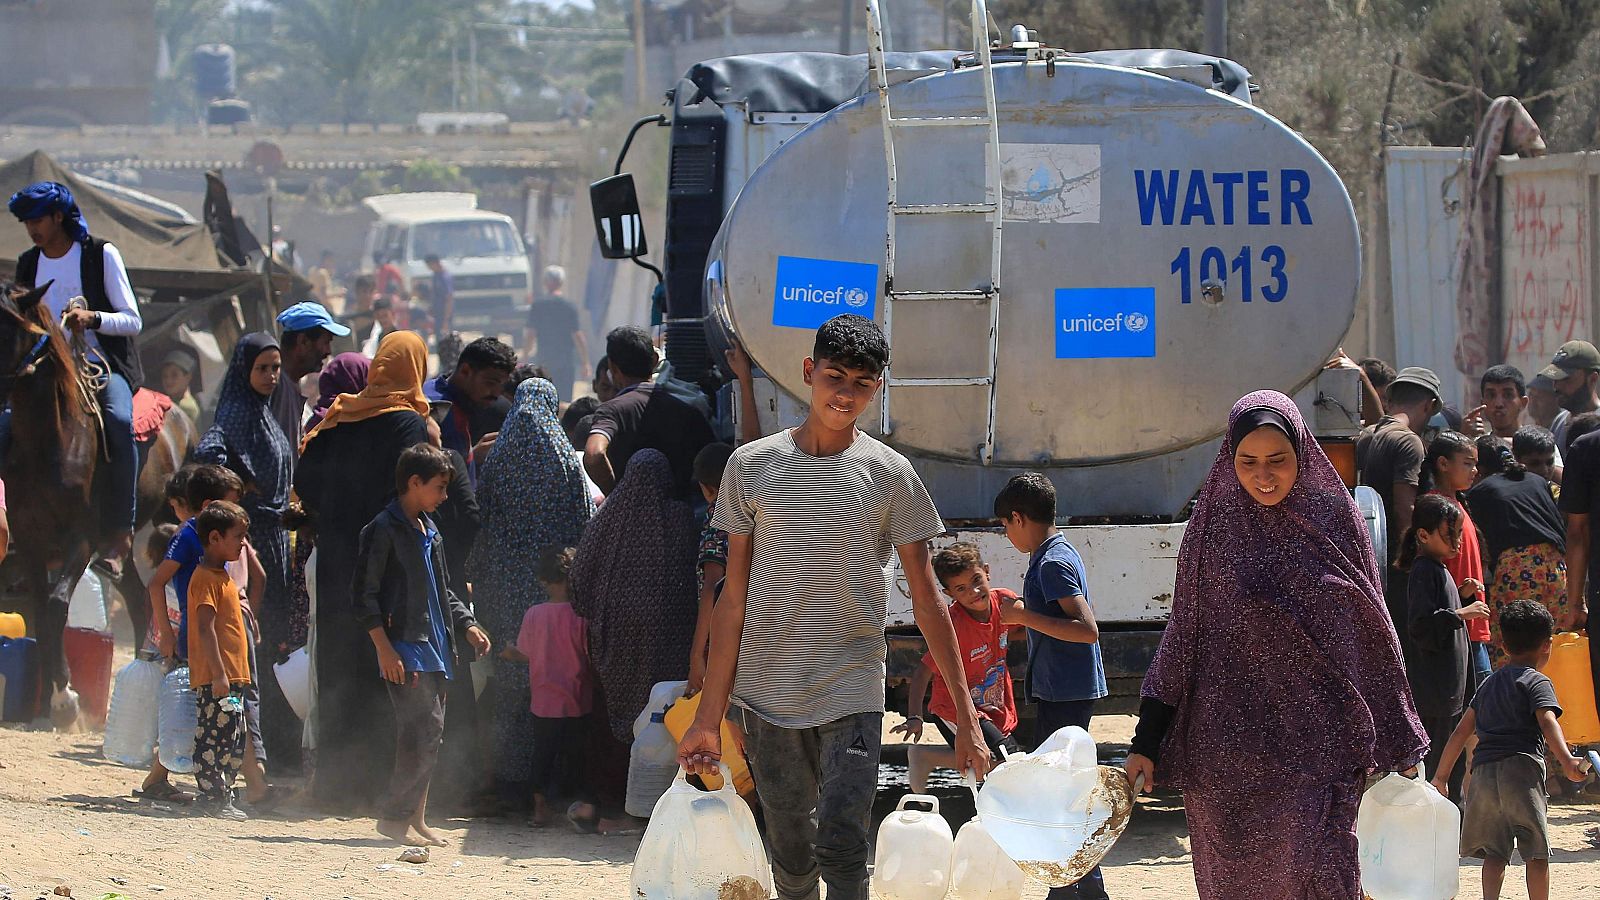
1166, 248
214, 71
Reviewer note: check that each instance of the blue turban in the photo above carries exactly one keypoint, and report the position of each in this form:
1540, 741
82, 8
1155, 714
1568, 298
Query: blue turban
42, 198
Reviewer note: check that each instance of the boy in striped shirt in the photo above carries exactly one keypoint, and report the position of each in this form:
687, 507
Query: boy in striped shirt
813, 516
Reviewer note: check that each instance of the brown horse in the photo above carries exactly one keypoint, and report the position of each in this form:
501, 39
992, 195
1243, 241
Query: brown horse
50, 470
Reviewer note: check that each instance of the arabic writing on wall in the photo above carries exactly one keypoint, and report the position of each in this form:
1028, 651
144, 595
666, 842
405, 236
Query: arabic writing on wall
1544, 266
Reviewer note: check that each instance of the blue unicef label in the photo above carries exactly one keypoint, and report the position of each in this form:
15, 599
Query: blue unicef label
1105, 323
809, 292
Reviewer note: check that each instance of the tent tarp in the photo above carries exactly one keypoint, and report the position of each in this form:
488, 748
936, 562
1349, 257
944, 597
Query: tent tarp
146, 239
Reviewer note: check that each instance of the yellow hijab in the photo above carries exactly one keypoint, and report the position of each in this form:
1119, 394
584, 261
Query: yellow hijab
393, 383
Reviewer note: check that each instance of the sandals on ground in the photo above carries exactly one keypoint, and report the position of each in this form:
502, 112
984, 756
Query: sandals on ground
164, 792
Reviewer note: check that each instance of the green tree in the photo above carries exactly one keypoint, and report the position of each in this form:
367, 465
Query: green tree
352, 61
348, 52
1481, 49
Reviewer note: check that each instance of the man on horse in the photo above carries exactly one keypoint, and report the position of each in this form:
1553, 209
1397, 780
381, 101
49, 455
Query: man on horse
77, 265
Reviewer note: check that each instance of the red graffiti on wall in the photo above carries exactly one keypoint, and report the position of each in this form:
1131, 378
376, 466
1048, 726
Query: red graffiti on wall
1547, 278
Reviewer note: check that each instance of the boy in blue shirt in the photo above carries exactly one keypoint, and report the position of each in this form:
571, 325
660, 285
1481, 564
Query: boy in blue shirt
411, 615
201, 486
1065, 676
1513, 715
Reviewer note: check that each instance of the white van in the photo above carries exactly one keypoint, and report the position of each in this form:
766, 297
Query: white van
481, 250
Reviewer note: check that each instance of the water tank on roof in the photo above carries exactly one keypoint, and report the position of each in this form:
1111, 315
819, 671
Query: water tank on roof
214, 71
1167, 248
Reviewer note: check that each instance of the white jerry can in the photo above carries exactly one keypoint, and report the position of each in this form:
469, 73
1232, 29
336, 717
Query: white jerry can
912, 861
1409, 837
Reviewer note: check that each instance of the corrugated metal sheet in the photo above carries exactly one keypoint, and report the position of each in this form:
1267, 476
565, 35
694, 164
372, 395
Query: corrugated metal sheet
1424, 221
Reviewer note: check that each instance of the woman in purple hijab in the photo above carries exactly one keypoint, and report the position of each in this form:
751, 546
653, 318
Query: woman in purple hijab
1278, 687
344, 374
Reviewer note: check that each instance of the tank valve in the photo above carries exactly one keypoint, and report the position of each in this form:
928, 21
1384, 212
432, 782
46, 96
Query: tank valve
1213, 292
1023, 39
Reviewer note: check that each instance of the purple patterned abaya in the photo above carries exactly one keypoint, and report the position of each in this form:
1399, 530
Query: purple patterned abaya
1284, 670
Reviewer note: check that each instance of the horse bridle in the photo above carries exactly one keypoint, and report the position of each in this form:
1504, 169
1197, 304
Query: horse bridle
30, 361
89, 378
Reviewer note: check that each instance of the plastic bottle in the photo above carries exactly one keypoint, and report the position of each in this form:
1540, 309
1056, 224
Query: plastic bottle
87, 608
131, 727
678, 720
89, 666
912, 861
701, 845
980, 870
1569, 670
653, 761
1408, 836
177, 720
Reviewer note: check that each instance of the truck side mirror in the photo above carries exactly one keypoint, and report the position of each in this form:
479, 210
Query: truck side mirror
617, 221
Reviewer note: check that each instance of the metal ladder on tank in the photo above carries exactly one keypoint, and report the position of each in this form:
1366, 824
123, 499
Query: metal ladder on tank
989, 208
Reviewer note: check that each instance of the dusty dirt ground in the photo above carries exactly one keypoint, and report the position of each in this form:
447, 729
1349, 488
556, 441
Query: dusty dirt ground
67, 817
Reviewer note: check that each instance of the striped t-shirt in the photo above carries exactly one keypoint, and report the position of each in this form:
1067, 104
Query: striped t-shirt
823, 533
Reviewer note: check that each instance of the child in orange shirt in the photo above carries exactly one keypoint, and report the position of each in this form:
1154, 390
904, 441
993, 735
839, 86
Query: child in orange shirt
219, 659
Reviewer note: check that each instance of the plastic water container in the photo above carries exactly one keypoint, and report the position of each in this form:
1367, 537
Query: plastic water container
131, 727
89, 666
12, 625
653, 761
701, 845
1569, 669
678, 720
912, 860
1056, 812
19, 688
980, 870
177, 719
1409, 840
87, 608
294, 678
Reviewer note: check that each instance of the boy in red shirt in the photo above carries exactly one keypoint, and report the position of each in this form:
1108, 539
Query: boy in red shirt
983, 640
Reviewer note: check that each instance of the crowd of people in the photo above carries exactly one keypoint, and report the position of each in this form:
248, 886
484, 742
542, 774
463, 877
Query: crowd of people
465, 558
382, 302
488, 580
1490, 553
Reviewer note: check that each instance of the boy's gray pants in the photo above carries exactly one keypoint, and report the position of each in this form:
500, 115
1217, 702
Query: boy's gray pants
816, 787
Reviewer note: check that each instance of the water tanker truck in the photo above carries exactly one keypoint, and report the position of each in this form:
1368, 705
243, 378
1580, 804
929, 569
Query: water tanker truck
1081, 261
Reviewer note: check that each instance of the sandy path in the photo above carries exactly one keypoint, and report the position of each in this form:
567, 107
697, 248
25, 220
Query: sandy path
65, 817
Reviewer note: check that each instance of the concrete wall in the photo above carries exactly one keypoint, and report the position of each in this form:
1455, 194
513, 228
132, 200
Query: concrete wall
1547, 286
77, 62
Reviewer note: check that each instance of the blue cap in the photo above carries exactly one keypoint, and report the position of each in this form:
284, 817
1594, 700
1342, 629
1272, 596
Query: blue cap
307, 315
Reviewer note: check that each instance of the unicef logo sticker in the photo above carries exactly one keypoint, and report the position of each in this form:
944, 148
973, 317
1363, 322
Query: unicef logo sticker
808, 292
1106, 323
